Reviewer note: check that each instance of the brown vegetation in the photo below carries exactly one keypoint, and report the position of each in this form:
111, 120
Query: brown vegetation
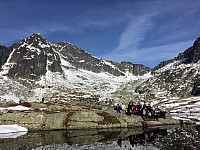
108, 119
26, 104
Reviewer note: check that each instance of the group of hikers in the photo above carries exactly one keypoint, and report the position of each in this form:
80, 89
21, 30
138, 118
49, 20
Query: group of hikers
145, 110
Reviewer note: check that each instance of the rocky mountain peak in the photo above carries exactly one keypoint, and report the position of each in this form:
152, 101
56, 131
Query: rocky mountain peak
36, 37
31, 57
83, 60
178, 77
191, 55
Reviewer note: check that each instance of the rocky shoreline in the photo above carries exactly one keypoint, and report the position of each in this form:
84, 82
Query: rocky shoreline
55, 116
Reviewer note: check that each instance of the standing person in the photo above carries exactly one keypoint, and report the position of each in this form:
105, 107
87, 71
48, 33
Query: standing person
149, 107
119, 142
133, 107
118, 108
129, 111
124, 109
136, 111
157, 113
144, 112
42, 99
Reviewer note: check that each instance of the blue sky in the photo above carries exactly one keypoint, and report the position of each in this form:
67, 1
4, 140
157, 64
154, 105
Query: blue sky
139, 31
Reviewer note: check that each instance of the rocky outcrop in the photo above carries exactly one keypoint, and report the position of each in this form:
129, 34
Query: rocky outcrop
42, 117
83, 60
135, 69
35, 120
32, 57
68, 120
191, 55
178, 77
4, 54
196, 87
180, 81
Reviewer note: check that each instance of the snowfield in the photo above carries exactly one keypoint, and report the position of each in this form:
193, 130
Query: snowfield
102, 84
15, 108
182, 109
12, 131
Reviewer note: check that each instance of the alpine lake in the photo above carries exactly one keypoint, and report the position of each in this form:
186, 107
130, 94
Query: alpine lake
181, 137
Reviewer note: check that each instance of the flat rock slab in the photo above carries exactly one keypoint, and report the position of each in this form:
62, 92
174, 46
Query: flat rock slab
86, 116
84, 119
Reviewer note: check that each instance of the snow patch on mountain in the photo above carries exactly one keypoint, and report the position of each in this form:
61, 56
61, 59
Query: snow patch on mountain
12, 90
85, 81
168, 66
171, 80
181, 109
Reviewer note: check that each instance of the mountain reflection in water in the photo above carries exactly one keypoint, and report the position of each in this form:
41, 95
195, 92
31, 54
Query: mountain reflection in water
165, 138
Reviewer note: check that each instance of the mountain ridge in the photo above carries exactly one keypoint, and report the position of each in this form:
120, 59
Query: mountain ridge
178, 77
190, 55
63, 71
53, 70
35, 49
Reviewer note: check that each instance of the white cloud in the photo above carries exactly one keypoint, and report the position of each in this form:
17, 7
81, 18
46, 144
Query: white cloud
134, 33
149, 56
163, 23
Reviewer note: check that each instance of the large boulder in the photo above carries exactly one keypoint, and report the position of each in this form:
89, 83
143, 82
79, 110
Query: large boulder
83, 119
55, 121
35, 120
132, 121
86, 116
28, 120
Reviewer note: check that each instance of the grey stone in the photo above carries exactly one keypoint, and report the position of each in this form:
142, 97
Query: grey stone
86, 116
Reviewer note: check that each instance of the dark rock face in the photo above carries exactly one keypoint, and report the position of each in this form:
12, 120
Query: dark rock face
136, 69
4, 54
192, 54
81, 59
196, 88
31, 57
162, 64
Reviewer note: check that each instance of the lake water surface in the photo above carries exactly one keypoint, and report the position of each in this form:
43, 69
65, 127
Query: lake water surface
185, 137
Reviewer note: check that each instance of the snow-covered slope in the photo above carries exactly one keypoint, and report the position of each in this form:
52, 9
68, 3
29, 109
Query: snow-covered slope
177, 81
36, 68
178, 77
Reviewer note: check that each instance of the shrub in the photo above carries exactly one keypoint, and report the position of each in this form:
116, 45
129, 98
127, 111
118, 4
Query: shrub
26, 104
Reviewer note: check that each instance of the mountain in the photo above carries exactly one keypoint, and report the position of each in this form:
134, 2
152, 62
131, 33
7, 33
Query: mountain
178, 77
34, 68
31, 56
57, 69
